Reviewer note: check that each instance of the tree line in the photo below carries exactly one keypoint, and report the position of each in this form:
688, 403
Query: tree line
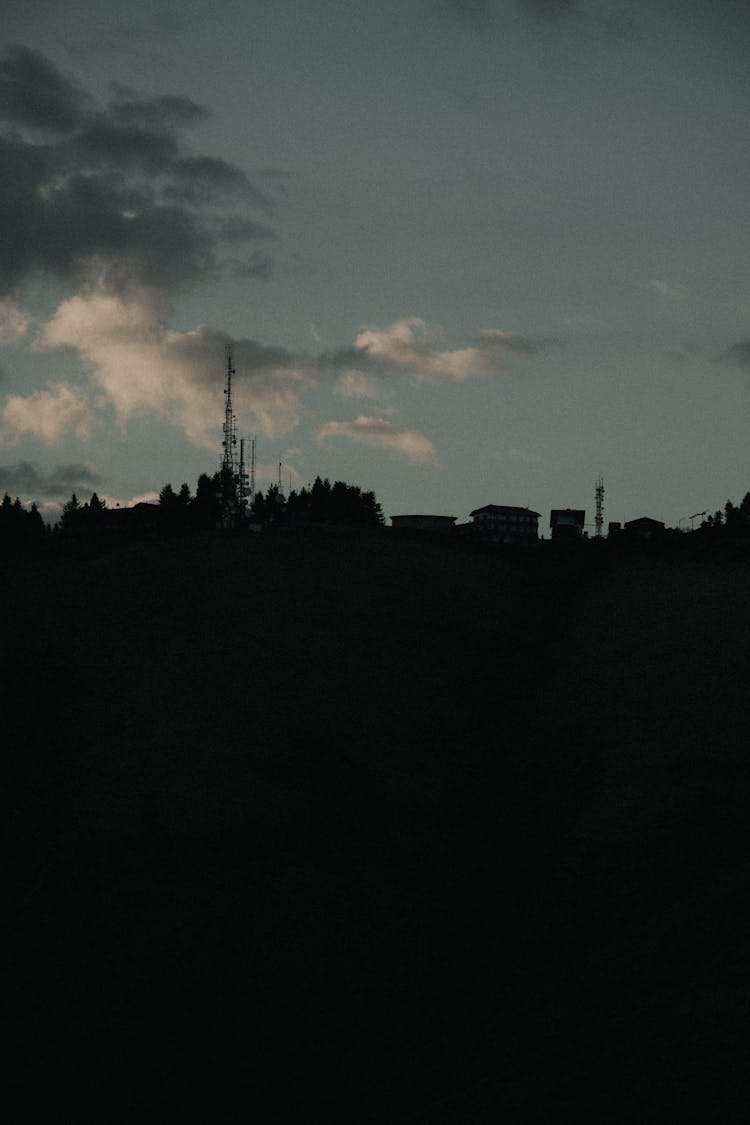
734, 520
215, 504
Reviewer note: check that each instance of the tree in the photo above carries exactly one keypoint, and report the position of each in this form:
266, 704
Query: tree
70, 519
174, 510
19, 527
205, 509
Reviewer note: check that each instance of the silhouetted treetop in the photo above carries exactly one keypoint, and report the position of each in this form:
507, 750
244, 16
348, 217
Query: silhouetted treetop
336, 503
18, 526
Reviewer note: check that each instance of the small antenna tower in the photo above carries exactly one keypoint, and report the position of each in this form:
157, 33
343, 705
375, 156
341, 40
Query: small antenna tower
230, 422
252, 469
599, 519
281, 486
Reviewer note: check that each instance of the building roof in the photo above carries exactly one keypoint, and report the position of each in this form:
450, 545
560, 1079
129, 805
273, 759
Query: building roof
644, 521
423, 517
503, 510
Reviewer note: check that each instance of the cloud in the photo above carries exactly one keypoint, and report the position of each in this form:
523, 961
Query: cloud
408, 445
665, 289
166, 112
27, 480
114, 196
14, 323
411, 346
141, 367
738, 354
356, 384
34, 93
47, 415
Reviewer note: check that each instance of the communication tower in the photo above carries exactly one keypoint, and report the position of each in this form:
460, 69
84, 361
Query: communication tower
230, 422
599, 518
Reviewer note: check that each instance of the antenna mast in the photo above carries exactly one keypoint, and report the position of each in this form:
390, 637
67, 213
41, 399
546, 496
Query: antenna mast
599, 519
230, 422
252, 470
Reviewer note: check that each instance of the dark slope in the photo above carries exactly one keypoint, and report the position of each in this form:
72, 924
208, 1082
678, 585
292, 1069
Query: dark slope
375, 830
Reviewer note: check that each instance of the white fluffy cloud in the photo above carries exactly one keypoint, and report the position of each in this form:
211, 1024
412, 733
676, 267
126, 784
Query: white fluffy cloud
47, 415
412, 346
406, 444
143, 367
357, 384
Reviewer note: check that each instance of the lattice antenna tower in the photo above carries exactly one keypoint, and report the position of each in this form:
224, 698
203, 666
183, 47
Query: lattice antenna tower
599, 519
230, 422
252, 469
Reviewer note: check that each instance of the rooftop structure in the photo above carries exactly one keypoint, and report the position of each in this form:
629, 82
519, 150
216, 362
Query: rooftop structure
567, 523
503, 523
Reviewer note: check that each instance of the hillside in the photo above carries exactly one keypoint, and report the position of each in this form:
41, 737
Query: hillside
378, 831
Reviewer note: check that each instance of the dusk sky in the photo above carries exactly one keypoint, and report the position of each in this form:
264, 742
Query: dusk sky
465, 251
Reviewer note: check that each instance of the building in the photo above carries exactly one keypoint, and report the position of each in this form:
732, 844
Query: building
423, 523
567, 523
644, 527
504, 524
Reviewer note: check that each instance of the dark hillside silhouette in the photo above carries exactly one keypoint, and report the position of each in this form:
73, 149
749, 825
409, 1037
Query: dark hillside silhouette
358, 828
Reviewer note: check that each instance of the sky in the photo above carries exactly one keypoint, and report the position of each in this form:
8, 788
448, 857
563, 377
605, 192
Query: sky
464, 252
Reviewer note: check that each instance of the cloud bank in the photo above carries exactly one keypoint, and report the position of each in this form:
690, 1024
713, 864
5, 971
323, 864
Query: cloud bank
141, 367
47, 415
412, 347
408, 445
112, 195
26, 479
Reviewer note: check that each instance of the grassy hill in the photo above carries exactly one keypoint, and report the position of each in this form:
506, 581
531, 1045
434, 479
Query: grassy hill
378, 830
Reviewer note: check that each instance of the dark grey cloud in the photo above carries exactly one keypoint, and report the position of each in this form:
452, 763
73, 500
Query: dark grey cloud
203, 179
738, 354
34, 93
236, 229
53, 222
166, 113
27, 480
102, 142
118, 190
257, 265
